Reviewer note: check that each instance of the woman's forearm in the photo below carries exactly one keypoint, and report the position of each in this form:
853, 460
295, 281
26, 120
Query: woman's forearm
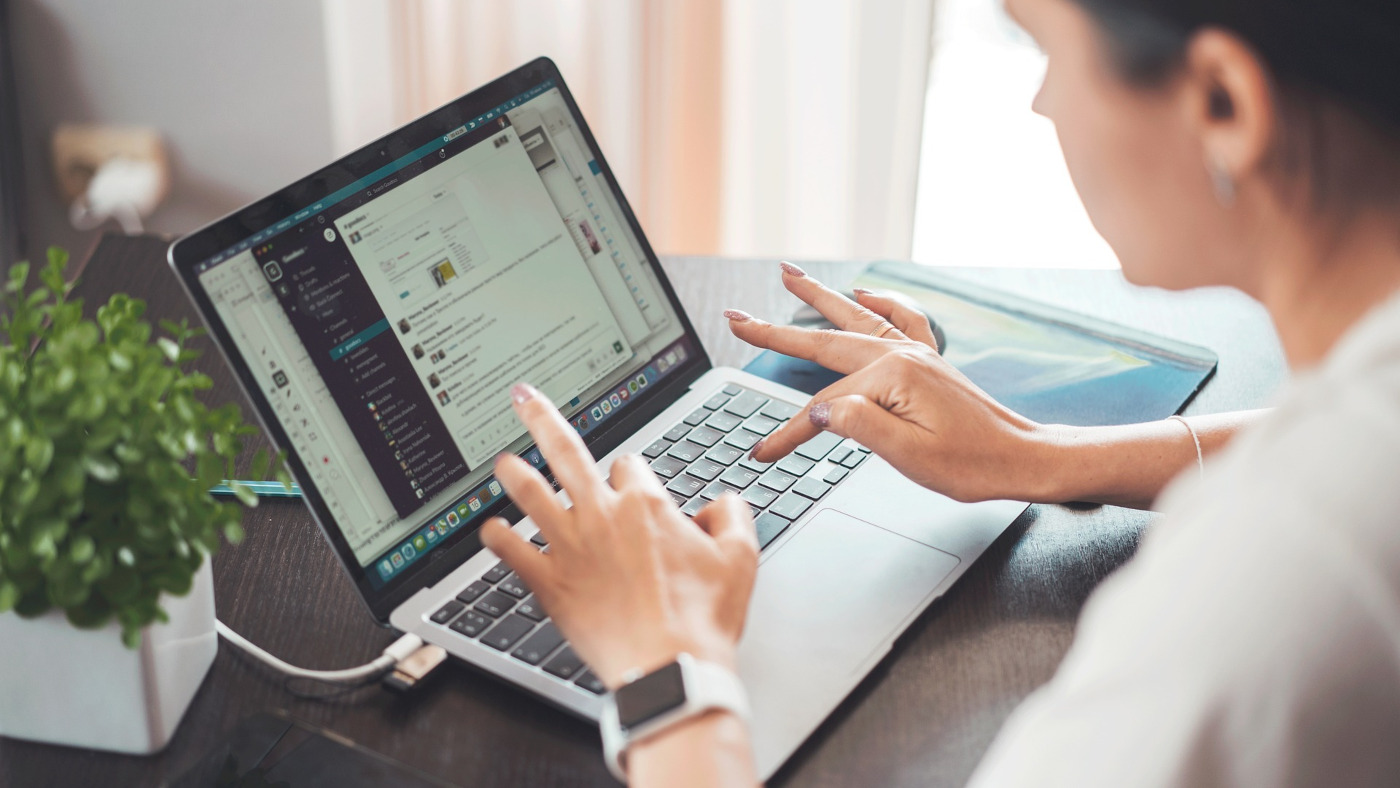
1129, 465
709, 751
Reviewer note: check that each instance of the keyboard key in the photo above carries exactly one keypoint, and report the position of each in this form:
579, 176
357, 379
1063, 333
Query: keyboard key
835, 475
473, 592
705, 436
448, 612
724, 454
677, 432
679, 499
761, 424
812, 488
667, 467
777, 480
539, 645
496, 573
495, 604
860, 448
743, 439
687, 451
514, 586
738, 477
471, 624
853, 459
506, 632
693, 506
656, 449
780, 411
769, 527
839, 453
705, 469
794, 465
754, 510
759, 496
755, 465
591, 683
746, 404
715, 490
732, 389
685, 485
724, 422
819, 447
697, 418
790, 506
565, 664
530, 608
539, 539
717, 401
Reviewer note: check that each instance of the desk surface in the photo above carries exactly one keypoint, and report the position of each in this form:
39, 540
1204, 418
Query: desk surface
923, 717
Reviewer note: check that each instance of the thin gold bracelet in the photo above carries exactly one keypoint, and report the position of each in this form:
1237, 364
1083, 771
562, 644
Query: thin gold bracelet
1200, 456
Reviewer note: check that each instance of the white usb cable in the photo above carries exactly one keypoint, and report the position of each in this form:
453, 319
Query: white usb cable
397, 652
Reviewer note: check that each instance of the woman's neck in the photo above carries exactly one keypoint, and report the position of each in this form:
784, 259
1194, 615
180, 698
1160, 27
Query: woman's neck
1319, 285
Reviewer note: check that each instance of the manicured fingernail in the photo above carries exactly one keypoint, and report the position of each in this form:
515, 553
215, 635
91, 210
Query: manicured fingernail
790, 269
522, 393
860, 291
754, 451
820, 414
738, 315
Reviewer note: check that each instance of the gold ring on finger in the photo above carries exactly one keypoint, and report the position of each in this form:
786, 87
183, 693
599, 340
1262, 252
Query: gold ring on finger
884, 328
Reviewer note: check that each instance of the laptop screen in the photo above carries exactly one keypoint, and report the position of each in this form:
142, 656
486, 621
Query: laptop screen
385, 323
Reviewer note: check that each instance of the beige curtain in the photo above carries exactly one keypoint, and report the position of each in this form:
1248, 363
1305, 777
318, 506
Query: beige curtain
758, 127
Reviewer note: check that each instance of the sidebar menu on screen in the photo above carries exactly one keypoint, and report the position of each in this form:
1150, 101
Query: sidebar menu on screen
370, 377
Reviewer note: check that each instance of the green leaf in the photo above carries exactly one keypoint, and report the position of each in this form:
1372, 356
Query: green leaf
9, 595
169, 348
102, 468
244, 494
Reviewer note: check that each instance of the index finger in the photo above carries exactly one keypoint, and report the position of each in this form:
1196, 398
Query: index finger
843, 313
560, 444
839, 351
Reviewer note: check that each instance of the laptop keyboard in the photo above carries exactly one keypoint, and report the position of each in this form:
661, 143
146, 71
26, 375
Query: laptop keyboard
700, 458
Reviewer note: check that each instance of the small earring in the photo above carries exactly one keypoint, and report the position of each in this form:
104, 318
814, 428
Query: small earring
1224, 183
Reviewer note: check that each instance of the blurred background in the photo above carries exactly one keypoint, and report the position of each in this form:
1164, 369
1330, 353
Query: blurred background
807, 129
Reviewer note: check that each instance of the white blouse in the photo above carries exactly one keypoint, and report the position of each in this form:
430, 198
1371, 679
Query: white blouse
1255, 638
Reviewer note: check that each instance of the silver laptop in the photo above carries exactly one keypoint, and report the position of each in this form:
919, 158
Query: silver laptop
377, 311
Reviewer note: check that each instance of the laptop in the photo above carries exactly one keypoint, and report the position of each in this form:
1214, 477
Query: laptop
376, 313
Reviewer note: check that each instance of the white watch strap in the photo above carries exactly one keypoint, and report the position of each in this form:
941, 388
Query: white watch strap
707, 686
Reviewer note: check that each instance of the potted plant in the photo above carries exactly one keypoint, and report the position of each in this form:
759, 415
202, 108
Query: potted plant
107, 457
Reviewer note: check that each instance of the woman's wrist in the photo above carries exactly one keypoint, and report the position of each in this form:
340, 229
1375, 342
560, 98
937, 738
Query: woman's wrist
1057, 461
656, 653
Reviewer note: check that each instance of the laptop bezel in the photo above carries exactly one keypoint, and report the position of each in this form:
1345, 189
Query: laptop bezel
202, 244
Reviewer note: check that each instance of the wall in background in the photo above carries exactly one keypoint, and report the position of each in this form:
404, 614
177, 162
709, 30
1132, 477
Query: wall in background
239, 90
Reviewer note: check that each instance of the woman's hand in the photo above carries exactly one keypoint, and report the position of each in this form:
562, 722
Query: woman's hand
902, 399
630, 581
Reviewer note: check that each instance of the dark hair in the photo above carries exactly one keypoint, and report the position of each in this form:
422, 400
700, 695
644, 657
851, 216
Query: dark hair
1334, 62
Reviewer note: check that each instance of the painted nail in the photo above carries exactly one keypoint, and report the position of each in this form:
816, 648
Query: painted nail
738, 315
754, 451
522, 393
790, 269
860, 291
820, 414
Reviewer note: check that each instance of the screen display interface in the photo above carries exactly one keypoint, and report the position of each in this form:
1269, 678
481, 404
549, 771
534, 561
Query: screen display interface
387, 322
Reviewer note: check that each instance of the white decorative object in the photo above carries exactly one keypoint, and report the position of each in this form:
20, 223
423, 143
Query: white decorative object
83, 688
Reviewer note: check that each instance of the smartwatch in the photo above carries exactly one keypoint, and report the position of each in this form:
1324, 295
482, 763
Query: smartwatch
649, 704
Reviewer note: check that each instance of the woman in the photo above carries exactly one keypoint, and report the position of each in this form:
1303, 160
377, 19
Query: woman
1255, 638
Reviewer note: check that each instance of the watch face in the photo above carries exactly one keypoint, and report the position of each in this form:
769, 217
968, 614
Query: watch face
650, 696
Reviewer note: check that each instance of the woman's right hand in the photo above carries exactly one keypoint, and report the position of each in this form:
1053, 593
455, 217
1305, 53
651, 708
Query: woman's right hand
901, 399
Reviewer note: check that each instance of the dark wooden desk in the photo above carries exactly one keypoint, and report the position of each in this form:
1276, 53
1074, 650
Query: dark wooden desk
924, 717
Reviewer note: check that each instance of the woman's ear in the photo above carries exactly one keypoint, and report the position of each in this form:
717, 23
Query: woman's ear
1227, 95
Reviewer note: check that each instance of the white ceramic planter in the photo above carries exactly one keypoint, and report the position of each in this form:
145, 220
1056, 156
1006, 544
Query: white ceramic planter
83, 688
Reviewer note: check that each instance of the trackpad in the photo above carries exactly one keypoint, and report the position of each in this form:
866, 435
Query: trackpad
825, 606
